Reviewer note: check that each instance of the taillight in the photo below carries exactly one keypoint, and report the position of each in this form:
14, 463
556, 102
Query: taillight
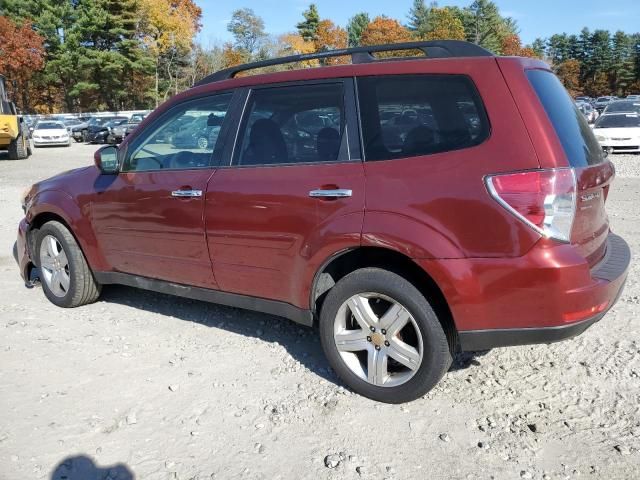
544, 199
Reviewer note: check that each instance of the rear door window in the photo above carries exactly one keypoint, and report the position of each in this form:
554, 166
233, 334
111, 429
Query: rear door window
293, 125
577, 139
410, 115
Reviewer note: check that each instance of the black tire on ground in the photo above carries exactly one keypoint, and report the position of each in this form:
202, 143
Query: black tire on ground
85, 134
18, 149
436, 354
83, 288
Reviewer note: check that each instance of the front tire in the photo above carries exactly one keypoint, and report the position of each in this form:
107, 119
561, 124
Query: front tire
66, 278
382, 337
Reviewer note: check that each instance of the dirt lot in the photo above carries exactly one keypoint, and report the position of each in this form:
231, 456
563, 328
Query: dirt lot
169, 388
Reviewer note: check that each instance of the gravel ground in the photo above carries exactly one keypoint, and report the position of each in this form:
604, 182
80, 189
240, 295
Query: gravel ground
168, 388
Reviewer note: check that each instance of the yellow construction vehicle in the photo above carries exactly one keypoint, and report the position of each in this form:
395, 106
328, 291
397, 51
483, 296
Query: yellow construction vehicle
14, 132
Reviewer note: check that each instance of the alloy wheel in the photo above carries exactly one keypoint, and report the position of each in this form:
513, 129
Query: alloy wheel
378, 339
54, 266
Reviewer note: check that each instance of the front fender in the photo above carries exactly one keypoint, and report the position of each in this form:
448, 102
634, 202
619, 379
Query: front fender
61, 204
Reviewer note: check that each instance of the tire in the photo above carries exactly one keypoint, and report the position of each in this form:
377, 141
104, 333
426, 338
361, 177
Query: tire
422, 332
85, 135
81, 287
18, 148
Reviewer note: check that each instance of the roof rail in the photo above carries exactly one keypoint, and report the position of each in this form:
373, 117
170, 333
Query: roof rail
431, 49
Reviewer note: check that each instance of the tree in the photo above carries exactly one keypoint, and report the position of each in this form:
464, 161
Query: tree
511, 45
419, 19
330, 37
569, 73
294, 44
485, 26
21, 55
308, 28
444, 25
538, 46
167, 29
355, 27
383, 30
248, 30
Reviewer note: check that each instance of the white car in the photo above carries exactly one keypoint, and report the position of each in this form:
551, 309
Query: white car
618, 132
47, 132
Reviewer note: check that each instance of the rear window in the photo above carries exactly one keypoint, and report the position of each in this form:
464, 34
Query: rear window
411, 115
577, 139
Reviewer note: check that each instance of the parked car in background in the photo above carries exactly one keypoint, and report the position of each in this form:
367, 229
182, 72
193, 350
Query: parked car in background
618, 132
601, 103
633, 97
71, 123
459, 222
584, 99
47, 132
590, 113
200, 133
622, 106
119, 132
101, 129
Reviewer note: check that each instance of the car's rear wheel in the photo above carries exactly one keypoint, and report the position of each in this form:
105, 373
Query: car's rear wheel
66, 278
382, 337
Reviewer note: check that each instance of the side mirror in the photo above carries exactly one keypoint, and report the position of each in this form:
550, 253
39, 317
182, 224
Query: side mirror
106, 159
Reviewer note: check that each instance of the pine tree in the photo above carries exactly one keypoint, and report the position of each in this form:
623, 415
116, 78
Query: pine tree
356, 26
419, 18
308, 28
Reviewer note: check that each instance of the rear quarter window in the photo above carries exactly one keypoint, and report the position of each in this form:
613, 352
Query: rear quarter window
578, 141
411, 115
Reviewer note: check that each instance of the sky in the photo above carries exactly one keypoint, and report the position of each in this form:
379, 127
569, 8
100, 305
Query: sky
536, 18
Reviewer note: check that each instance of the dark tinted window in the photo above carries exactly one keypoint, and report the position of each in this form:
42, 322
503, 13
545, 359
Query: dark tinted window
297, 124
578, 141
410, 115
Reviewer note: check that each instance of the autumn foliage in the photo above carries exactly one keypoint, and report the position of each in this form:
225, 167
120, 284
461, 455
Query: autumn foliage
445, 25
383, 30
21, 51
330, 37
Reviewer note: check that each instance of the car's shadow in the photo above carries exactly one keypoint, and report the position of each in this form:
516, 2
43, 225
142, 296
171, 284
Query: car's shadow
302, 343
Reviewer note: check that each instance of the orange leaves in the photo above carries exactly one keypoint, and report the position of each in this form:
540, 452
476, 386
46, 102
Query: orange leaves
331, 37
21, 50
384, 30
445, 25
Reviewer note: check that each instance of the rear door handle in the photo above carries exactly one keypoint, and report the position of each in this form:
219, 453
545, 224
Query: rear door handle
186, 193
337, 193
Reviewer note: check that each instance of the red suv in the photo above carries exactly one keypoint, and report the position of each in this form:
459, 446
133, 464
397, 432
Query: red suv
410, 207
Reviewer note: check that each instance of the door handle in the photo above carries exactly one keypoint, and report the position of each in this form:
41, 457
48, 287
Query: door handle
186, 193
337, 193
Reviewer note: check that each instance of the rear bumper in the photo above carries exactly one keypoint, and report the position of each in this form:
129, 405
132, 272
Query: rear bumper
546, 296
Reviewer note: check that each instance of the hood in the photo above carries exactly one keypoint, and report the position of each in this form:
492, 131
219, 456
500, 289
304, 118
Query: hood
618, 132
50, 132
61, 180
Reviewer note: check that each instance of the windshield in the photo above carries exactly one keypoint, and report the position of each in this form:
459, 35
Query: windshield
602, 99
49, 126
623, 107
619, 121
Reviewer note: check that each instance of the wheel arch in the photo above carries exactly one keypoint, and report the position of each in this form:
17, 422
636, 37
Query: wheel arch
53, 205
344, 262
